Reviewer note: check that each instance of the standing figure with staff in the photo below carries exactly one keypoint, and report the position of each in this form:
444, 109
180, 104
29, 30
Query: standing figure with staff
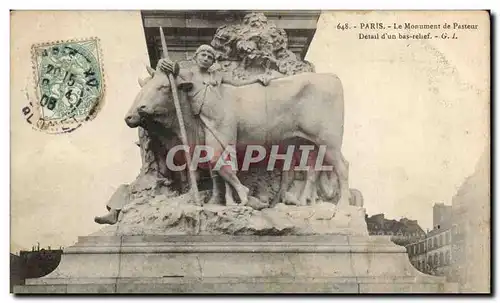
202, 85
205, 89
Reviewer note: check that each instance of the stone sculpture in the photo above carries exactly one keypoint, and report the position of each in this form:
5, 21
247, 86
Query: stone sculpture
291, 105
294, 228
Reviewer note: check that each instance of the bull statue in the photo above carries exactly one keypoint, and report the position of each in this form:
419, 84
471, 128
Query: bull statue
305, 105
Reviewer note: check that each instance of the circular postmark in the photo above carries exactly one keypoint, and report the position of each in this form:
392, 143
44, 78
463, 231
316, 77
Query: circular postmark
69, 84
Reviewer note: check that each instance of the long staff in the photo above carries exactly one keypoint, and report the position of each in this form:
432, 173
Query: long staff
192, 177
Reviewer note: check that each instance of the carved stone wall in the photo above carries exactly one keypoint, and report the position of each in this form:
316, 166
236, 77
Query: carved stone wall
186, 30
254, 46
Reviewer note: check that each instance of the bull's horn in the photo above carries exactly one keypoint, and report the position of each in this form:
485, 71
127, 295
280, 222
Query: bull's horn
141, 81
151, 71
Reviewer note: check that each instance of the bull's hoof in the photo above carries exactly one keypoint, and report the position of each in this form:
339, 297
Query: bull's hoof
256, 203
303, 201
214, 201
243, 195
290, 199
231, 202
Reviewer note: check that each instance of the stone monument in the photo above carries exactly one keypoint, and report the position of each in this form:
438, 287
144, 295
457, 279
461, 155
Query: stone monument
243, 229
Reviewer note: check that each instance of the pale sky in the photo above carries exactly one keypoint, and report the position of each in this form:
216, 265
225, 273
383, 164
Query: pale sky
417, 112
417, 119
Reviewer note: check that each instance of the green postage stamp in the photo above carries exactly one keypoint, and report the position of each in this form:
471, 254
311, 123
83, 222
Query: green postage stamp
69, 84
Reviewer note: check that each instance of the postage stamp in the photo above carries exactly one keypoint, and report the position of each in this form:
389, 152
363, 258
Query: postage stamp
69, 84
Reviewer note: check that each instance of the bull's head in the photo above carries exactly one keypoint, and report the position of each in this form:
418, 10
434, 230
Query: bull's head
154, 103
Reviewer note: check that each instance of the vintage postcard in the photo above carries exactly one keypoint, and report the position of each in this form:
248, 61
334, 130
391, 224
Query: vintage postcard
250, 151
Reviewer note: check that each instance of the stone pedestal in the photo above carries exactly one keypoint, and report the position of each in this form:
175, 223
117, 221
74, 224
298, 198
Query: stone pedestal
235, 264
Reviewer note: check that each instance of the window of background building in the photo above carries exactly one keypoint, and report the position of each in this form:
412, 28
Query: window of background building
429, 260
434, 242
436, 259
429, 244
441, 258
442, 239
448, 258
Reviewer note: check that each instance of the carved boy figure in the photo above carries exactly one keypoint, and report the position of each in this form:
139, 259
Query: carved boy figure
204, 84
204, 80
115, 204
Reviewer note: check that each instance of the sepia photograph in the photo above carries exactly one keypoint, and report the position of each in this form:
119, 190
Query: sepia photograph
250, 151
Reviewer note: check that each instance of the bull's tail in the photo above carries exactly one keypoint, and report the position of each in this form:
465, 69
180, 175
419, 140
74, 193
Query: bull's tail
329, 186
329, 190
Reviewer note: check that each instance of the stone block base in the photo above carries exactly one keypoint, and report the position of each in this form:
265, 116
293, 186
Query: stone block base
235, 264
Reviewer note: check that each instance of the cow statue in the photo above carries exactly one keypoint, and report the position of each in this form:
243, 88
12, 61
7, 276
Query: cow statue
305, 105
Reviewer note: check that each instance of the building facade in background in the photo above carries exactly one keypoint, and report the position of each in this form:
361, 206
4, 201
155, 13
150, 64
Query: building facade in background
433, 254
471, 230
33, 264
402, 232
441, 216
458, 246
